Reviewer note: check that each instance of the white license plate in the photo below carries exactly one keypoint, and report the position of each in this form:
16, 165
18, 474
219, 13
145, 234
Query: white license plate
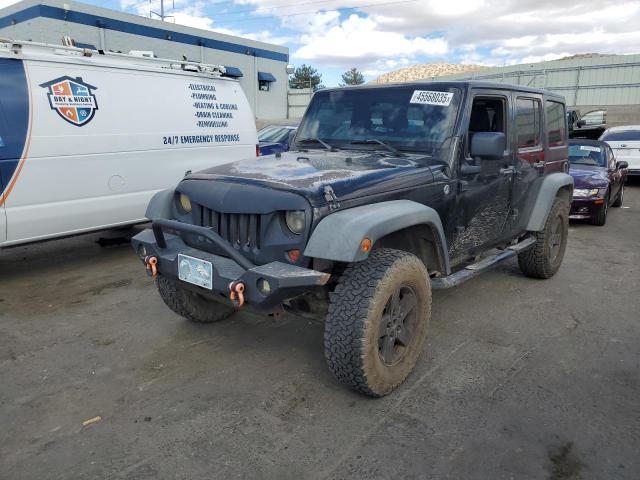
195, 271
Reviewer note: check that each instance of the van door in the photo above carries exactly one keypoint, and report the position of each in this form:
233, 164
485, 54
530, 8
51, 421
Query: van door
14, 123
3, 148
3, 215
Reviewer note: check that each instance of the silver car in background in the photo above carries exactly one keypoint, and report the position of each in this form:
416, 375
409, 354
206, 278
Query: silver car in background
625, 143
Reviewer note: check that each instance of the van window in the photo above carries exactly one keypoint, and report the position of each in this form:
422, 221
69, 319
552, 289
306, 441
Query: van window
528, 113
556, 126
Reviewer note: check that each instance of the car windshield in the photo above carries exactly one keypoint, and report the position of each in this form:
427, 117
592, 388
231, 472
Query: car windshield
273, 134
406, 118
621, 136
592, 155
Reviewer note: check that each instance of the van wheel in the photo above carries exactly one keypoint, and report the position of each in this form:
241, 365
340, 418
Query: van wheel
377, 321
191, 305
544, 258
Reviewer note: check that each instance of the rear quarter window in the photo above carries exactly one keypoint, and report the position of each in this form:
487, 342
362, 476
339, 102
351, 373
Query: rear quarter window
528, 122
556, 127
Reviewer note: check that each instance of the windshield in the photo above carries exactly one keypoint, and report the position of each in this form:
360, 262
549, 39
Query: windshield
407, 117
273, 134
592, 155
621, 136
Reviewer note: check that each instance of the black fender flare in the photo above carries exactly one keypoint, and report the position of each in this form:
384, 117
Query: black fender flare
161, 205
552, 184
338, 236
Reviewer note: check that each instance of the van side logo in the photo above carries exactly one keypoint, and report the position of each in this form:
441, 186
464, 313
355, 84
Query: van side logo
73, 99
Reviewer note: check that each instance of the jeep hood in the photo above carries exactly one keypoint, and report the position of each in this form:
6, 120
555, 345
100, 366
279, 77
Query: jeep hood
349, 173
586, 177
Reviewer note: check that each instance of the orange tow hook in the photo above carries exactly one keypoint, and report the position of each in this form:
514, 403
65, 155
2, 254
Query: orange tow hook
236, 294
151, 264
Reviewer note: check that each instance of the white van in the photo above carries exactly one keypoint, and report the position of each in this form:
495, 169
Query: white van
86, 138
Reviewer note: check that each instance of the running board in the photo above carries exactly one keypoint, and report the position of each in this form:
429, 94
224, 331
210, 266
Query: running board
477, 268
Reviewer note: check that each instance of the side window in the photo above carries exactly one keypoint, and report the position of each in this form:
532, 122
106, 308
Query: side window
556, 127
528, 114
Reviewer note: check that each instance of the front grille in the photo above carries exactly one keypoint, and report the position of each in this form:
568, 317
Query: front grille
241, 230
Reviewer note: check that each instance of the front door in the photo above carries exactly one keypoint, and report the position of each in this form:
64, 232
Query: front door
484, 197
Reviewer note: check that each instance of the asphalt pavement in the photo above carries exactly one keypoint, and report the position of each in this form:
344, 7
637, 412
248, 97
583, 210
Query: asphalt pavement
520, 378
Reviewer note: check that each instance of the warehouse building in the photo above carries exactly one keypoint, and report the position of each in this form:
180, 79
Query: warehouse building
589, 82
260, 67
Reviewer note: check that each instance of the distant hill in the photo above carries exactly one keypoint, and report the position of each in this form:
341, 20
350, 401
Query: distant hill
585, 55
426, 70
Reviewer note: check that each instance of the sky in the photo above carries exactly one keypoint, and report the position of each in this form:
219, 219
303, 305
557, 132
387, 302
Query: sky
378, 36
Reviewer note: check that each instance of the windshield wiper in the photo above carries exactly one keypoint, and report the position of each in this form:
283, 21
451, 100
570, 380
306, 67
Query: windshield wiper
317, 140
370, 141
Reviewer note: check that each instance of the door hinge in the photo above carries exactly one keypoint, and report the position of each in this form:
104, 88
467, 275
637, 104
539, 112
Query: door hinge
331, 198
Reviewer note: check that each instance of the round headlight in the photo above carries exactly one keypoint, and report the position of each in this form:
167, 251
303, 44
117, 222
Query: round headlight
185, 203
295, 221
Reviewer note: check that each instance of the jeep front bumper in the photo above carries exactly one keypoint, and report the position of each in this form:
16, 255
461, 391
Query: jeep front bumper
285, 281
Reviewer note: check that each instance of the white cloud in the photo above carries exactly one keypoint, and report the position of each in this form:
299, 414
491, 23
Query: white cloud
358, 40
387, 34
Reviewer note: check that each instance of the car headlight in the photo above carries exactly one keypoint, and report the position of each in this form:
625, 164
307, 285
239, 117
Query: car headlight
296, 221
185, 203
584, 192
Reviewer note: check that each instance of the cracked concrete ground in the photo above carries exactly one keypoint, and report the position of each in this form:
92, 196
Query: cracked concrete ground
520, 379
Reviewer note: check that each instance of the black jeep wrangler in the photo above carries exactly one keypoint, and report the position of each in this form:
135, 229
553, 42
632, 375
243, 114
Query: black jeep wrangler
387, 192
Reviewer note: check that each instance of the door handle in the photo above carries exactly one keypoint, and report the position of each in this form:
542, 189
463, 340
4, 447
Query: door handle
507, 171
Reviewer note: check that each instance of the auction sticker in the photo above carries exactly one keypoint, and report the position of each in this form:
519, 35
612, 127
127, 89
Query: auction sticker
589, 148
426, 97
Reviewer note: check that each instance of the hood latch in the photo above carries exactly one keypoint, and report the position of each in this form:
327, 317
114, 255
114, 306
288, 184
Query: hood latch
331, 198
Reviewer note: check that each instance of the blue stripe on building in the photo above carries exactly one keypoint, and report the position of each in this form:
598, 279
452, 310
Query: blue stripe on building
91, 20
14, 117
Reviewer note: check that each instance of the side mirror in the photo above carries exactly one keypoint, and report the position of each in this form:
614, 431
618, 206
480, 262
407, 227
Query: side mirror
580, 123
621, 164
488, 145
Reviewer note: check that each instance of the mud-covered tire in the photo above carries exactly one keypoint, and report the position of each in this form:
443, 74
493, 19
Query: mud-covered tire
600, 219
544, 258
189, 304
390, 284
619, 198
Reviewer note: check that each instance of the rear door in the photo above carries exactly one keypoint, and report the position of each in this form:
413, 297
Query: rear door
530, 155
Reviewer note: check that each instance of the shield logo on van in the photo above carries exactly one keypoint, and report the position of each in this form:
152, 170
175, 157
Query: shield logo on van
73, 99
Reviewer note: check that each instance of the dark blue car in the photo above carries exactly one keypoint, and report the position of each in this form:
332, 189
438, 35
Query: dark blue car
276, 138
598, 180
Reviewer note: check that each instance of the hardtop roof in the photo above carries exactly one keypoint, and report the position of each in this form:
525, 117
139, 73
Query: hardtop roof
462, 84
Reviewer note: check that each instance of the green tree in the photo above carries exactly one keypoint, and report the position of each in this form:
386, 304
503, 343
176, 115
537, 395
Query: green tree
306, 76
352, 77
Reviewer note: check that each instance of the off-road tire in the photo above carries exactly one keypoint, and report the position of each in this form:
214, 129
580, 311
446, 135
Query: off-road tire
352, 327
539, 260
620, 198
189, 304
601, 217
